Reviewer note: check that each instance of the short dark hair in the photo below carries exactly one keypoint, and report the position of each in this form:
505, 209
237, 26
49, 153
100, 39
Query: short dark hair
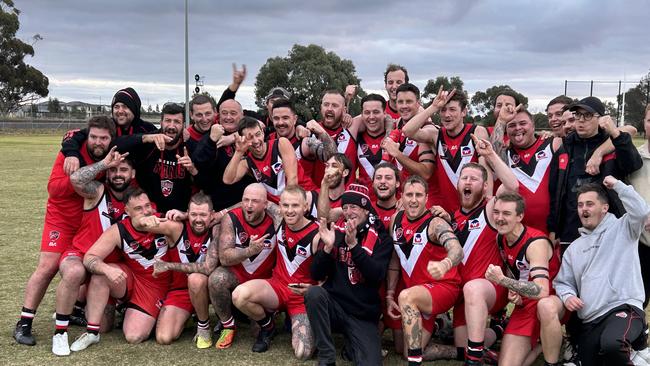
202, 99
477, 166
173, 108
248, 122
374, 98
408, 87
385, 164
593, 187
530, 115
200, 198
344, 160
560, 99
461, 98
396, 67
103, 122
513, 197
133, 192
413, 179
510, 93
283, 103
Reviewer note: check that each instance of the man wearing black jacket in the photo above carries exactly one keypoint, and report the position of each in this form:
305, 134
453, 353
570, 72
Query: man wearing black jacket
569, 169
352, 261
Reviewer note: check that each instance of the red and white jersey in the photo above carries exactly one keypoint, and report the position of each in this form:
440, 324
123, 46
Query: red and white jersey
408, 147
415, 251
141, 249
345, 144
260, 265
478, 239
384, 214
369, 154
295, 142
391, 112
96, 220
514, 256
294, 253
190, 248
270, 172
532, 167
452, 154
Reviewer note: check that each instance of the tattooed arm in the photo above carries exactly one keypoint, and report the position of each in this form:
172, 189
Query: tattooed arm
94, 258
229, 255
206, 267
440, 232
83, 180
273, 210
320, 145
538, 253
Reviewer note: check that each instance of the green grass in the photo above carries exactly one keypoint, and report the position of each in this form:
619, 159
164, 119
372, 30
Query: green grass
25, 164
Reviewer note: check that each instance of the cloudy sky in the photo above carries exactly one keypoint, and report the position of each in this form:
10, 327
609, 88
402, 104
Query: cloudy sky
93, 48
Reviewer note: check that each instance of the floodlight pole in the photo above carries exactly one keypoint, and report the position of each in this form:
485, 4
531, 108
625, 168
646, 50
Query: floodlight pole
187, 73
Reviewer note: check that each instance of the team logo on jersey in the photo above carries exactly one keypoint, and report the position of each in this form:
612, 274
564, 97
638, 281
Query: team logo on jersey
364, 148
454, 226
520, 265
621, 314
243, 236
399, 233
277, 167
134, 245
466, 151
166, 187
187, 245
160, 242
204, 249
265, 169
268, 244
515, 159
541, 155
341, 137
54, 235
474, 224
410, 142
354, 275
445, 149
301, 251
417, 238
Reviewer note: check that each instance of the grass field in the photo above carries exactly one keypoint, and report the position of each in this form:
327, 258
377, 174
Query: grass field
25, 164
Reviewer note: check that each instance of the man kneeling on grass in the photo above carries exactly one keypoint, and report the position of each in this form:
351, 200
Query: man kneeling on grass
132, 279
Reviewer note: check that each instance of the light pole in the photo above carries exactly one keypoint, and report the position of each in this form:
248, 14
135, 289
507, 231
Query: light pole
187, 72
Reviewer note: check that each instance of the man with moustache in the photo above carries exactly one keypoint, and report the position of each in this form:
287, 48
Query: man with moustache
385, 183
394, 76
62, 220
337, 170
189, 241
452, 142
214, 152
245, 250
103, 206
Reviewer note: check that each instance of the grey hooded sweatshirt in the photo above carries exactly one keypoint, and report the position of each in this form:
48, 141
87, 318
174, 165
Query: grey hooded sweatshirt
602, 267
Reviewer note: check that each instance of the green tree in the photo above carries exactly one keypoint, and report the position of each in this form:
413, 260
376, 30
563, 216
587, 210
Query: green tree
541, 121
54, 106
307, 72
19, 83
483, 102
636, 100
432, 87
157, 108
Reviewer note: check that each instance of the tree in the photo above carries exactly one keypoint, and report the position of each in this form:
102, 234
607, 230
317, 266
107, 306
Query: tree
541, 121
483, 102
307, 72
54, 106
636, 100
149, 109
432, 87
19, 83
157, 108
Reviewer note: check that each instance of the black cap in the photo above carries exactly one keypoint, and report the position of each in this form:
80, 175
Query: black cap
278, 92
590, 104
130, 98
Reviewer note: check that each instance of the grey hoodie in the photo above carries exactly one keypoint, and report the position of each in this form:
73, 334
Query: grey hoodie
601, 267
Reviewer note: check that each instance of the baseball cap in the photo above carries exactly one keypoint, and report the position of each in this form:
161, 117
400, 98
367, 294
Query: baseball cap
278, 92
590, 104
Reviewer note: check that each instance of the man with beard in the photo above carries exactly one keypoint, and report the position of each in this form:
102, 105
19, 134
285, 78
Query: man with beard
189, 241
394, 76
103, 206
428, 253
532, 262
213, 154
166, 175
337, 170
474, 226
62, 220
453, 142
245, 250
600, 280
271, 163
298, 240
385, 183
125, 110
130, 280
352, 263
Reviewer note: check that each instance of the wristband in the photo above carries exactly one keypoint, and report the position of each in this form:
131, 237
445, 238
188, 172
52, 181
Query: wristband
447, 260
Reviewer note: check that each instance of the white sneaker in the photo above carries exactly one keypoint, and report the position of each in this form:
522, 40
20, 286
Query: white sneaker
60, 346
640, 358
84, 340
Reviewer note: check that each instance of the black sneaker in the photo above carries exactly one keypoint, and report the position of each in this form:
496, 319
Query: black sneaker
263, 341
23, 335
473, 363
78, 317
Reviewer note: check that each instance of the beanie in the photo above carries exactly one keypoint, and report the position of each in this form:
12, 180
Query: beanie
130, 98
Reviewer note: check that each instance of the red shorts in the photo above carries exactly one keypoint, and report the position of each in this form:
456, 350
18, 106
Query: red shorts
287, 300
443, 297
179, 298
114, 257
500, 303
56, 238
524, 322
143, 294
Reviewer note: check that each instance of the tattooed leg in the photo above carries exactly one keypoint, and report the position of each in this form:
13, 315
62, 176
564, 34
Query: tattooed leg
302, 338
221, 283
412, 302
